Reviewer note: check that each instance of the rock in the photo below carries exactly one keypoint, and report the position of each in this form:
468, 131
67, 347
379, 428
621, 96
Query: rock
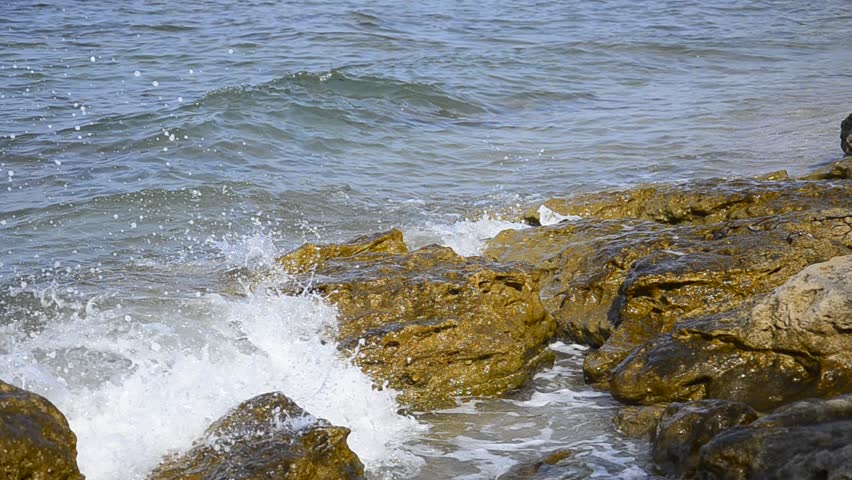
310, 256
839, 170
540, 469
436, 325
774, 176
810, 439
846, 135
617, 283
700, 203
793, 343
685, 427
268, 436
35, 439
646, 258
638, 421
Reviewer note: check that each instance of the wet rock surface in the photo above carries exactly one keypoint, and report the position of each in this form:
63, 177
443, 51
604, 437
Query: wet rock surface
36, 442
638, 421
268, 436
549, 467
732, 296
810, 439
433, 324
615, 284
846, 135
685, 427
838, 170
795, 342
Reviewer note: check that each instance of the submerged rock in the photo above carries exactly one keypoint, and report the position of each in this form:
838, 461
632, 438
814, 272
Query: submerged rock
36, 442
810, 439
434, 324
794, 343
543, 469
685, 427
268, 436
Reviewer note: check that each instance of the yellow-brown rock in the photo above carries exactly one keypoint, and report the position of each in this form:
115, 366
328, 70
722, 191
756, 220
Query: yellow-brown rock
35, 440
647, 258
435, 325
707, 201
793, 343
266, 437
310, 257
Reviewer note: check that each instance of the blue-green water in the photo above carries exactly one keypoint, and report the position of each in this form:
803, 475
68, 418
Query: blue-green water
146, 148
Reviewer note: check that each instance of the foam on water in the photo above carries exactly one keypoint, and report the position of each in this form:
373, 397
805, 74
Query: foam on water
465, 237
484, 439
135, 386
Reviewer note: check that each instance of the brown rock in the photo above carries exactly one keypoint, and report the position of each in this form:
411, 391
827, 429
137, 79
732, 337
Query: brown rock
685, 427
794, 343
841, 169
702, 202
809, 440
539, 469
35, 439
436, 325
310, 256
638, 421
651, 256
268, 436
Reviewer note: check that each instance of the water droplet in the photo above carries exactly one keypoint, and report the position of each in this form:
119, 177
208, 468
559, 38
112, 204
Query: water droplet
155, 83
137, 73
92, 59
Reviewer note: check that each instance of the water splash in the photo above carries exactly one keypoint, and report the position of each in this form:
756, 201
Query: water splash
137, 383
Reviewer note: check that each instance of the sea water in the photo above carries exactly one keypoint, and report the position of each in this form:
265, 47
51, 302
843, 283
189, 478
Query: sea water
155, 157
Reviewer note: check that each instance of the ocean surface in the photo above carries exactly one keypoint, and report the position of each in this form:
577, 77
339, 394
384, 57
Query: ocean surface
149, 149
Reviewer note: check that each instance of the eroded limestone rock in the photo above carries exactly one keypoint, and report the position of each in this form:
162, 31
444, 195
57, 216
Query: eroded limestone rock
434, 324
36, 442
809, 440
268, 436
638, 421
794, 343
685, 427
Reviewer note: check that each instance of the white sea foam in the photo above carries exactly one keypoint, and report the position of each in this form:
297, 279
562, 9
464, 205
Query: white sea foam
135, 390
465, 237
547, 216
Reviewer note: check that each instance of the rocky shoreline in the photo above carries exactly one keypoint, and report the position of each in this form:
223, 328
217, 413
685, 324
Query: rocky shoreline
720, 313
